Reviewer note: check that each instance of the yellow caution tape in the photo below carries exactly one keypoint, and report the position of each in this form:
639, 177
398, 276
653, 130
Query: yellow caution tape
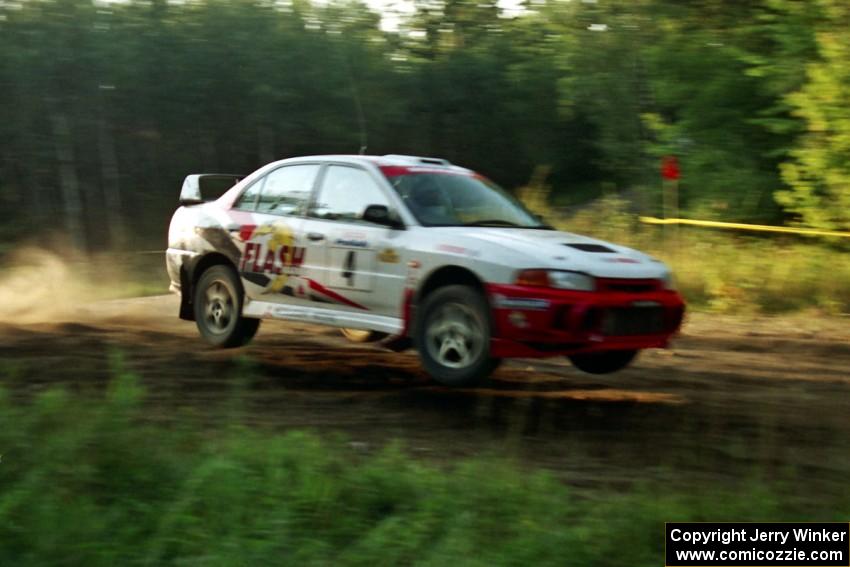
741, 226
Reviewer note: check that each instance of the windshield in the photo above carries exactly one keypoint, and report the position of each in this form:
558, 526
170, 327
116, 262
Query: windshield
450, 199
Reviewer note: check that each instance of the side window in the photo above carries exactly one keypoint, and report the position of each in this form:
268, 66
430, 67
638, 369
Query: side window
248, 200
286, 190
345, 194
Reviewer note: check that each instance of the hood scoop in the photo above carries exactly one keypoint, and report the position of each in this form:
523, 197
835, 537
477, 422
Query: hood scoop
593, 248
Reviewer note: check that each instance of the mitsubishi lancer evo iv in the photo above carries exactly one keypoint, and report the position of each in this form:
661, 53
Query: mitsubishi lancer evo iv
413, 252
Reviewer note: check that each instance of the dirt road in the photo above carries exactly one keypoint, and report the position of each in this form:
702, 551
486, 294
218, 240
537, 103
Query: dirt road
735, 399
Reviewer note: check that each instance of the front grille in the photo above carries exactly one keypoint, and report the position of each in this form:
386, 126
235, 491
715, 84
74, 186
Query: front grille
625, 321
623, 285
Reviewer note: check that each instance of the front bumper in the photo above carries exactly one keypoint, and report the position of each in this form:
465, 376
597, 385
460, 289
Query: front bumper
536, 322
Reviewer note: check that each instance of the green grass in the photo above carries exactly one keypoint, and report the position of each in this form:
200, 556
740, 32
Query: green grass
85, 480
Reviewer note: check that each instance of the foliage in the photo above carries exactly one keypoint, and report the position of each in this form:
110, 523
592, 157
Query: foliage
107, 105
819, 172
84, 480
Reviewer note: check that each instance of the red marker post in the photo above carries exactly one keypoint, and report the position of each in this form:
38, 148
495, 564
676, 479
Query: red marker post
670, 174
670, 168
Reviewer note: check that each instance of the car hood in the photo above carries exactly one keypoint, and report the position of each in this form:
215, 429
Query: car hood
563, 250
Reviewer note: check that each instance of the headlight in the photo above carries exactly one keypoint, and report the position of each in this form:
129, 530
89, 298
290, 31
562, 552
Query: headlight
557, 279
669, 281
572, 280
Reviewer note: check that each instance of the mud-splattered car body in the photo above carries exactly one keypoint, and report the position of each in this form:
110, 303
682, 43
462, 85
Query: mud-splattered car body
301, 254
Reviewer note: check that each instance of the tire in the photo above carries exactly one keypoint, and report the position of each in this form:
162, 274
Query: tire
218, 309
603, 362
452, 336
362, 336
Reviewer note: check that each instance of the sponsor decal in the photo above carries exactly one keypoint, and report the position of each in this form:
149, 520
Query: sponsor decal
517, 319
352, 243
273, 260
272, 252
646, 303
532, 304
452, 249
389, 255
413, 273
621, 260
246, 231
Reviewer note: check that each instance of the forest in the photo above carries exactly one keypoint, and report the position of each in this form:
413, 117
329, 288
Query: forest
107, 105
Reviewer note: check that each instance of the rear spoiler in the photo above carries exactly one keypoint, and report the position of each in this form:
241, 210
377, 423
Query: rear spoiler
203, 187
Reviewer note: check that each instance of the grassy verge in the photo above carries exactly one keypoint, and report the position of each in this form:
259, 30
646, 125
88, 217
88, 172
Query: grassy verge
86, 481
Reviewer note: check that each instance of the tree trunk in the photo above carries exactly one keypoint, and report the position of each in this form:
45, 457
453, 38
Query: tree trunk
68, 182
111, 184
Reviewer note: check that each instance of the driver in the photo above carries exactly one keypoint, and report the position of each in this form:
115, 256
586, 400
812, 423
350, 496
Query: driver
426, 201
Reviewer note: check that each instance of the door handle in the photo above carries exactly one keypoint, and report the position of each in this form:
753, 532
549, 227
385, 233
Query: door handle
315, 236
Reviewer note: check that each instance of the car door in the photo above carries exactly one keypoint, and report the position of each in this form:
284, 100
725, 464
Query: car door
355, 265
269, 218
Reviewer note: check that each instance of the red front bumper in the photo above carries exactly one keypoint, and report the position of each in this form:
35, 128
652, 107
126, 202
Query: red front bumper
622, 315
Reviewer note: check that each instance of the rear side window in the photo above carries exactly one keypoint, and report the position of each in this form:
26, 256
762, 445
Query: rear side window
286, 190
248, 200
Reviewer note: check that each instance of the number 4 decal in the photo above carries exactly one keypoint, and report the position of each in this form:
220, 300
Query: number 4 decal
349, 267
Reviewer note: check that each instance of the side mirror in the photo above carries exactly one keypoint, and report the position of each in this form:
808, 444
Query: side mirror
203, 187
380, 214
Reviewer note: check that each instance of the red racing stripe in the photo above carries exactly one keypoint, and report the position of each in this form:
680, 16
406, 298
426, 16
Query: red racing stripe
316, 286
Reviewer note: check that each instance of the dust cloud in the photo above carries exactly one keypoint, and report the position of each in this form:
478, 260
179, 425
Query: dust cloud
39, 285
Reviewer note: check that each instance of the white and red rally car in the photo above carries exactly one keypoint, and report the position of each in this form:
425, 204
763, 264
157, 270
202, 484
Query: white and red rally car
415, 252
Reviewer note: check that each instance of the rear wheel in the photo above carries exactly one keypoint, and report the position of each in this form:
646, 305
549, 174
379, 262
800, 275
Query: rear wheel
218, 309
362, 336
603, 362
452, 336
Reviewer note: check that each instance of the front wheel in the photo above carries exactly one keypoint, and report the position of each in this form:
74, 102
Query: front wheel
603, 362
452, 336
218, 309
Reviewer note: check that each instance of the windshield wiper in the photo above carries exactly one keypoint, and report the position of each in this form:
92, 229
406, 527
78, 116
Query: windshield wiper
500, 222
491, 222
